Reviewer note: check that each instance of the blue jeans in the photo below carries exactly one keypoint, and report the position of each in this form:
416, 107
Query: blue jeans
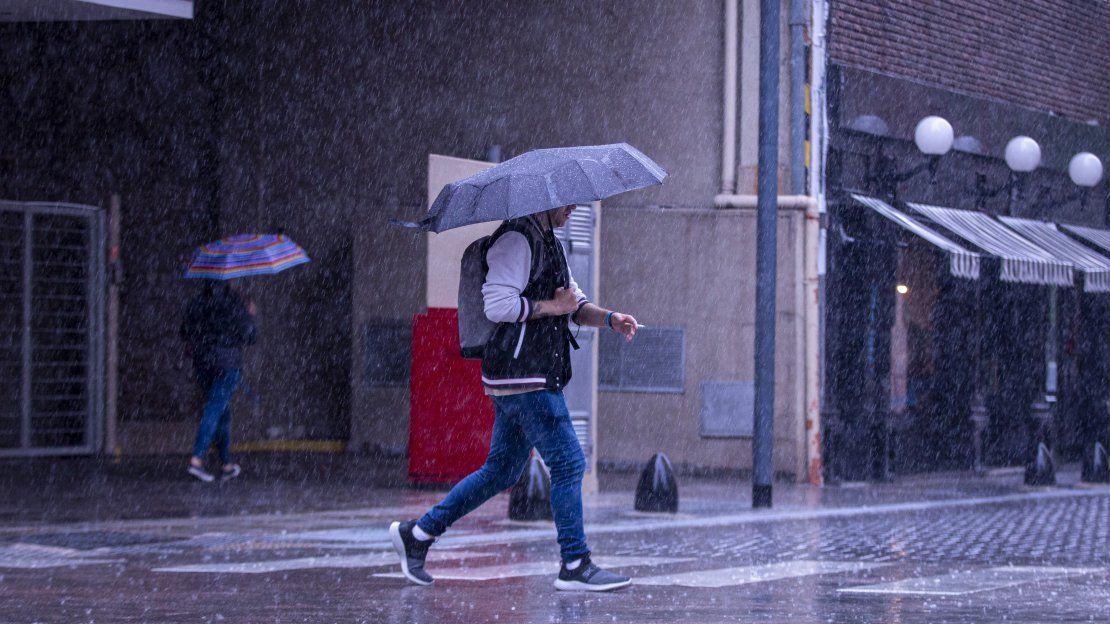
219, 386
537, 419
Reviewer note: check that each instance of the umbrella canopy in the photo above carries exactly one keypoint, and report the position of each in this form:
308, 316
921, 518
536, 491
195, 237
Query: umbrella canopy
243, 255
540, 180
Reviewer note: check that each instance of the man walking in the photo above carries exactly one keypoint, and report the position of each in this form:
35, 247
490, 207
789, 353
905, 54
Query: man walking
531, 295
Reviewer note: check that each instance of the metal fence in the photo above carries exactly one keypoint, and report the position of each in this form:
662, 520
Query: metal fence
51, 328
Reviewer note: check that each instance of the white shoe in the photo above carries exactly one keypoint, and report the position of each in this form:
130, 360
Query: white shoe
201, 473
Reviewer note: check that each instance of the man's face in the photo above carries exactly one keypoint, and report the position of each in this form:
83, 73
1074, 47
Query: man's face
560, 216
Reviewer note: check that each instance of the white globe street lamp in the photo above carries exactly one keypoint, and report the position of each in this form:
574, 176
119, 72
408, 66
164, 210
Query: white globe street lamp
1023, 154
1085, 169
933, 136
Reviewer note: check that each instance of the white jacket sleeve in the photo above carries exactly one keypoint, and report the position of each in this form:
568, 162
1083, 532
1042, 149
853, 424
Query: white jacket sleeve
510, 262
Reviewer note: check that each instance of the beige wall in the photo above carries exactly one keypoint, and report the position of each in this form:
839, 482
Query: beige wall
689, 268
696, 269
398, 272
388, 282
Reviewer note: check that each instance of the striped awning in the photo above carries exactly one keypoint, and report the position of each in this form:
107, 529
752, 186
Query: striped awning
1095, 266
961, 262
1100, 238
1022, 261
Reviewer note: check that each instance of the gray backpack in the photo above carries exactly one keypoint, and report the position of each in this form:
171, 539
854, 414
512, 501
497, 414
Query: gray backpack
475, 329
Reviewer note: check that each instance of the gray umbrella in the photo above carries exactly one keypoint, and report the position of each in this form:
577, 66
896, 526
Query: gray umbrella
540, 180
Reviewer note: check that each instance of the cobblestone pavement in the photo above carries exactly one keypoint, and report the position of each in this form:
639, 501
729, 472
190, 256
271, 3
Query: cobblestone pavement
989, 551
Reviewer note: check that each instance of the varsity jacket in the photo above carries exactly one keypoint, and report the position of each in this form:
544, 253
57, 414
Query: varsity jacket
525, 265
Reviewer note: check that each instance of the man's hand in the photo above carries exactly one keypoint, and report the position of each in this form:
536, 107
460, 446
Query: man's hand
565, 302
562, 304
624, 324
251, 308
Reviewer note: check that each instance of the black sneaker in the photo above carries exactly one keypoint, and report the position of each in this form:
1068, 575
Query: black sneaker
230, 472
589, 577
411, 551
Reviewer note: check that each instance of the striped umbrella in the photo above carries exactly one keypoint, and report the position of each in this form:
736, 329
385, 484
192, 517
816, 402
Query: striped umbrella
243, 255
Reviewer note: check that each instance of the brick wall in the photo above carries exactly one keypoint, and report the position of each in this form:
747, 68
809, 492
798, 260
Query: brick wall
1050, 55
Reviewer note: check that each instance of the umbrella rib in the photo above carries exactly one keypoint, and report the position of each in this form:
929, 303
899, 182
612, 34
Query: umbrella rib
588, 179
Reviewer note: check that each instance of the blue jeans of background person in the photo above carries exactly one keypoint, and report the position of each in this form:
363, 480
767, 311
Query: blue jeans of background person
219, 385
536, 419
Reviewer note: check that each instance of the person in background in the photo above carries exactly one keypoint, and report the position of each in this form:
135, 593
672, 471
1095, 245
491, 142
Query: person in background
218, 326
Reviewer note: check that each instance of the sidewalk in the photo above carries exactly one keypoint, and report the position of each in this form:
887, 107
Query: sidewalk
61, 490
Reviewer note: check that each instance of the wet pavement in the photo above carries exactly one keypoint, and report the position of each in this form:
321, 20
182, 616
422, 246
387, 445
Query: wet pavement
305, 541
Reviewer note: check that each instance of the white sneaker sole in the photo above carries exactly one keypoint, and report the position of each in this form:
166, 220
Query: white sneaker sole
399, 546
562, 585
201, 475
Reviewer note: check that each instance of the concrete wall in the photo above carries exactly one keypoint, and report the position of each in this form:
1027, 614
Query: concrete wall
696, 269
317, 118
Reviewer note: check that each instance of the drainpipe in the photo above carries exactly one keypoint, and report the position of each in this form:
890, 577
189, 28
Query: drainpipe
812, 240
795, 202
728, 140
798, 23
811, 305
811, 225
111, 376
815, 304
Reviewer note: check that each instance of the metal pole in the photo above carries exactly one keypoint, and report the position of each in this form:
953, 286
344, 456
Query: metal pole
767, 213
111, 381
25, 438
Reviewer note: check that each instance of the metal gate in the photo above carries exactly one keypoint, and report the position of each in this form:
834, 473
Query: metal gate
51, 328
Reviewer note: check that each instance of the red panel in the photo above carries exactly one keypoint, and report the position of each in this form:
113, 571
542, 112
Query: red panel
451, 417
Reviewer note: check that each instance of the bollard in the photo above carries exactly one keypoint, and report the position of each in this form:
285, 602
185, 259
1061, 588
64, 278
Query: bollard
980, 419
1042, 469
1096, 464
530, 497
1096, 468
658, 489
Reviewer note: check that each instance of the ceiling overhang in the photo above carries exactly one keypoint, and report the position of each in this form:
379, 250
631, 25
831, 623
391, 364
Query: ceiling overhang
93, 10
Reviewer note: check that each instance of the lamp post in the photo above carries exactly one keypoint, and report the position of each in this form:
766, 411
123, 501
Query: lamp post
933, 136
1085, 170
1023, 156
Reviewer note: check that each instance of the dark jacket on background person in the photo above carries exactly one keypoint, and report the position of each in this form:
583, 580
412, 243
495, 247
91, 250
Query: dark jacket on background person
218, 327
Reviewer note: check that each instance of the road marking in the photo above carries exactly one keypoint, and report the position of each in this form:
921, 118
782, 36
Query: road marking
534, 568
358, 535
728, 577
369, 560
970, 581
35, 556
